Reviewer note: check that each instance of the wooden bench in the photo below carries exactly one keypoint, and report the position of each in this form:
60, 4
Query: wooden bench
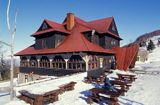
37, 99
121, 83
124, 86
124, 80
130, 78
99, 79
67, 87
95, 97
29, 98
48, 97
51, 96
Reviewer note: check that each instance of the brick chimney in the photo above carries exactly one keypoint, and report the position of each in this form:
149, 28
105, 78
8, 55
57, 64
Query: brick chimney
70, 21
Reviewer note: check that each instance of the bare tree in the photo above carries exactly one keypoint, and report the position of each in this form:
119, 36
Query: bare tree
12, 33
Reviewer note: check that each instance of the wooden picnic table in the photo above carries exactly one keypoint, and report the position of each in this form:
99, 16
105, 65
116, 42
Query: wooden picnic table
96, 96
126, 77
47, 97
99, 79
124, 85
67, 87
39, 99
113, 95
117, 82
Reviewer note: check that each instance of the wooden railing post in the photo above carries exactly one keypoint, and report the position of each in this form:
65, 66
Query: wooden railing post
38, 100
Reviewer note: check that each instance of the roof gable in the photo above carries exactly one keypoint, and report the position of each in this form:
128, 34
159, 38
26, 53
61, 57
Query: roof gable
101, 25
75, 41
50, 26
44, 26
113, 28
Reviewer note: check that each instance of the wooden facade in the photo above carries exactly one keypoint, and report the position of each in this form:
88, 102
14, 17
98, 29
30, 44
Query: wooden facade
80, 47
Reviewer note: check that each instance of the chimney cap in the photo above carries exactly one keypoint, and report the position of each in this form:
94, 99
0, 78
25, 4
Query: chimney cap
70, 13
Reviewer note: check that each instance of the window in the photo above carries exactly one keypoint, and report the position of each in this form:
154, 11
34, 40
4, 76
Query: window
44, 26
76, 62
44, 62
113, 42
58, 62
93, 63
33, 62
24, 62
113, 28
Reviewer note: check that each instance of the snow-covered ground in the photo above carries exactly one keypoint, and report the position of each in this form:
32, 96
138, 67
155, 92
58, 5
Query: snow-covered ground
144, 91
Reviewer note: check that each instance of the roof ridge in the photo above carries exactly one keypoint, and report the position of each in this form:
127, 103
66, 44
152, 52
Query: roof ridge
50, 22
101, 19
87, 26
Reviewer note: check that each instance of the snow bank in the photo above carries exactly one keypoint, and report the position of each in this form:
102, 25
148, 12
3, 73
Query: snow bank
144, 91
17, 102
43, 87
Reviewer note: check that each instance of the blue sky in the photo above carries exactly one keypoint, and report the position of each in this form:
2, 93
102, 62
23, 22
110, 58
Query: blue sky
133, 17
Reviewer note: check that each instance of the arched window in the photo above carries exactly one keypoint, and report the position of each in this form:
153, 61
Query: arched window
76, 62
44, 62
24, 62
33, 62
93, 62
59, 63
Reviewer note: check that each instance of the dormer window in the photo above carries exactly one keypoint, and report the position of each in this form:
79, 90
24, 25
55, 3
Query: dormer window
44, 26
113, 28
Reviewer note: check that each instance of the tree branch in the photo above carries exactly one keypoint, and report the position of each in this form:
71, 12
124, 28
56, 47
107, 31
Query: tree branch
8, 23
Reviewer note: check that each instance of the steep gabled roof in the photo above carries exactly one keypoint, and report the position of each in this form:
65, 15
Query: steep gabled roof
76, 42
101, 25
54, 27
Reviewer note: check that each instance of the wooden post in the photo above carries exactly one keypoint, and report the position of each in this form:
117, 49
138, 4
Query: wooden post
38, 100
66, 62
28, 60
86, 59
38, 61
50, 62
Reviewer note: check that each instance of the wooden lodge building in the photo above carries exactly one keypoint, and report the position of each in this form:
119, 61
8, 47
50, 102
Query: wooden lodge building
72, 46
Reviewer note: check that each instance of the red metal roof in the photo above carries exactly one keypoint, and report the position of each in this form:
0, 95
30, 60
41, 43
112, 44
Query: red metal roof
125, 56
54, 27
75, 40
101, 25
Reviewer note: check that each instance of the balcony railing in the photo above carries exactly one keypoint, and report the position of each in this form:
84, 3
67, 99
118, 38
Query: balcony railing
48, 71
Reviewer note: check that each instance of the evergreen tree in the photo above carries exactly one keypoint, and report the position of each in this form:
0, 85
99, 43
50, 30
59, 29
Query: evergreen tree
4, 66
150, 46
158, 43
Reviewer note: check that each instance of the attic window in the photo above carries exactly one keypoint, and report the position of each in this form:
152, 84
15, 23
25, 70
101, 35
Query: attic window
44, 26
113, 28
